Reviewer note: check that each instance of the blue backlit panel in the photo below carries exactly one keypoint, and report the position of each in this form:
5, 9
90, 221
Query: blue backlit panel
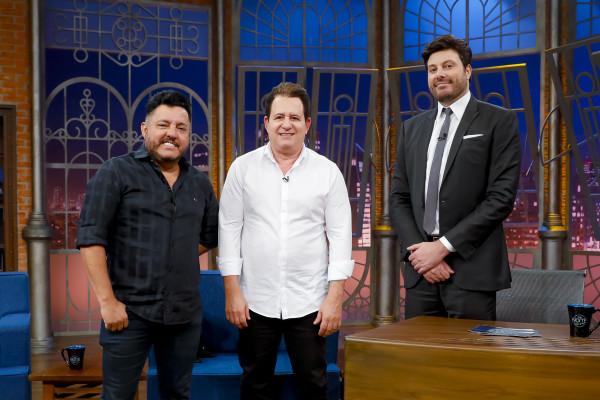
488, 26
330, 31
127, 29
587, 18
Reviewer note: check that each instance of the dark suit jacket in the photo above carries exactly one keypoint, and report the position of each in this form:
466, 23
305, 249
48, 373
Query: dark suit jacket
479, 186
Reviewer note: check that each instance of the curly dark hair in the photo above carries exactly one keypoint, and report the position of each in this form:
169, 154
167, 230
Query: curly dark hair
449, 42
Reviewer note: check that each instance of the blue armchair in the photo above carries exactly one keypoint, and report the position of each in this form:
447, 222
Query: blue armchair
14, 336
219, 377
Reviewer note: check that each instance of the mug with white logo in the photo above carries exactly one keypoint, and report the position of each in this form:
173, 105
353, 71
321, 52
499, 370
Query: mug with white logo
580, 319
74, 358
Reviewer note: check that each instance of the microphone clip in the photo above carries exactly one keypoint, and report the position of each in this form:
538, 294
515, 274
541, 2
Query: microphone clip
286, 179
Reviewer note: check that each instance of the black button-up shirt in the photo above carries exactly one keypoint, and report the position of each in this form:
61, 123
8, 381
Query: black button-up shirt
151, 233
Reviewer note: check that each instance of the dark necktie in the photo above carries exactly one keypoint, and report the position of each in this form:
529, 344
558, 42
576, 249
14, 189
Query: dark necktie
431, 201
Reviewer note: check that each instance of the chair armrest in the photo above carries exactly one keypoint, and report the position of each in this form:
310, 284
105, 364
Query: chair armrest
14, 340
14, 293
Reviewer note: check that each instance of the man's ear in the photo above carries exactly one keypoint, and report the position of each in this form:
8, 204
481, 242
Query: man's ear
144, 128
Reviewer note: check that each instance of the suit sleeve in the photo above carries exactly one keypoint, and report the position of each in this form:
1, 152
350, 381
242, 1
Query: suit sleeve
502, 183
401, 211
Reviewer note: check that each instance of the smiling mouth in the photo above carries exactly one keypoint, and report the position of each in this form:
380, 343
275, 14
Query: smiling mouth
169, 144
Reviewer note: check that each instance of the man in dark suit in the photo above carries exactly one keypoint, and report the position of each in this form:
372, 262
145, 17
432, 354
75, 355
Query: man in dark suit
454, 182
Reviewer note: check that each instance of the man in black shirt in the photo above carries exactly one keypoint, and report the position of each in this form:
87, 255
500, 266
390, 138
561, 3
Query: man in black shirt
146, 218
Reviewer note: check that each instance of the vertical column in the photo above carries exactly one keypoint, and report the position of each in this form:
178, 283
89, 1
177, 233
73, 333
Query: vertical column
37, 233
221, 92
385, 276
553, 237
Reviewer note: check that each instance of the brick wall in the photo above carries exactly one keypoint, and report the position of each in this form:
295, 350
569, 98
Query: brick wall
15, 89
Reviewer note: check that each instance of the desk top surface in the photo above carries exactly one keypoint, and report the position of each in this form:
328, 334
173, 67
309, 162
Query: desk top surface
454, 333
51, 367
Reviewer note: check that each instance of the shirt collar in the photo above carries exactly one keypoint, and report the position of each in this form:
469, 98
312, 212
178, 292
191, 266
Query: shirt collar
268, 152
141, 153
458, 107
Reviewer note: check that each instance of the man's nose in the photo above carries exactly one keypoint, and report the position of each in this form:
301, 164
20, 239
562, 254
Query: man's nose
440, 73
172, 130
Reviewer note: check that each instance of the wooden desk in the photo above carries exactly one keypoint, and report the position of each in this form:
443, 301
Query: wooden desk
58, 379
438, 358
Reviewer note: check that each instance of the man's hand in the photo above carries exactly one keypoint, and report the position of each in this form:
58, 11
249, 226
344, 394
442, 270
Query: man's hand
439, 273
426, 255
112, 310
114, 315
236, 307
330, 313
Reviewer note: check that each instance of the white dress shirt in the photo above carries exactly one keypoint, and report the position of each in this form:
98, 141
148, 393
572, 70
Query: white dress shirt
458, 109
287, 236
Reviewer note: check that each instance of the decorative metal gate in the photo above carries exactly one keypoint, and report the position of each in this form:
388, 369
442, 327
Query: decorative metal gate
103, 60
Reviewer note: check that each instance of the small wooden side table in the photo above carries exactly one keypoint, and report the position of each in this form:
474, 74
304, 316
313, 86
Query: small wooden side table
58, 379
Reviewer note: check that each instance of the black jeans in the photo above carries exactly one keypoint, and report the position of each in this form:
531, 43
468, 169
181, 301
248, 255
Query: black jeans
124, 354
258, 354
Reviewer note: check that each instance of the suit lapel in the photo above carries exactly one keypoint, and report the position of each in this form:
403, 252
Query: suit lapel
469, 116
423, 136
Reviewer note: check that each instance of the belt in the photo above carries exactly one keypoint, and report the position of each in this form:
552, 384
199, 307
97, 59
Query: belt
433, 238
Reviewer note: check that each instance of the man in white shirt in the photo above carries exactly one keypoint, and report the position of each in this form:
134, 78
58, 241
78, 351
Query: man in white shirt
455, 179
285, 235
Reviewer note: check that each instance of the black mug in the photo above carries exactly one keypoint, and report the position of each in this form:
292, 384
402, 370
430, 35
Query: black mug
580, 318
74, 357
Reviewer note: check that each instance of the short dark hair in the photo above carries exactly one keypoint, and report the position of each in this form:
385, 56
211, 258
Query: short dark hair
288, 89
449, 42
169, 98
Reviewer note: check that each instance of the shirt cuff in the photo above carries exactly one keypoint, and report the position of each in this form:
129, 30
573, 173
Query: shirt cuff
447, 244
229, 266
91, 235
340, 270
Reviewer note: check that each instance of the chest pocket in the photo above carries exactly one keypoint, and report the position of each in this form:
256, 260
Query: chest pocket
474, 150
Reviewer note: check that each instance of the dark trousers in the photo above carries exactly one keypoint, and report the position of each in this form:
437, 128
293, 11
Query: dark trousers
124, 354
258, 354
445, 299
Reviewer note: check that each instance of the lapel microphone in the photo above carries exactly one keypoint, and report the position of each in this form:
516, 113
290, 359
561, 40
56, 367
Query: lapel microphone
286, 179
443, 136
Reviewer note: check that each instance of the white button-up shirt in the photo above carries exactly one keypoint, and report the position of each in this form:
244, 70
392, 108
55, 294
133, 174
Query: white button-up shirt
286, 237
